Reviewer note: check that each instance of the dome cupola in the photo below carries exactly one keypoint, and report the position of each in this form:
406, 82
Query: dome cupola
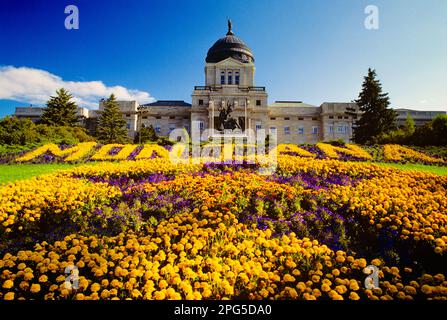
229, 46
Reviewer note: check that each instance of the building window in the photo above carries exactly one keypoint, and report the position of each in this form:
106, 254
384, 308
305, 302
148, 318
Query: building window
201, 125
145, 117
287, 118
286, 130
331, 128
300, 118
346, 129
331, 117
314, 130
157, 129
230, 77
301, 130
314, 119
258, 126
172, 117
258, 103
128, 126
340, 129
171, 127
272, 118
222, 79
236, 79
346, 117
340, 117
185, 118
128, 115
200, 102
273, 129
158, 117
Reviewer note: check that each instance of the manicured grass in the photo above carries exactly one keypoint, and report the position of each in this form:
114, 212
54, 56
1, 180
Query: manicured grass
14, 172
418, 167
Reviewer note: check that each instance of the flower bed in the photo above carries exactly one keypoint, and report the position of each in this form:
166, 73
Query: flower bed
150, 229
89, 151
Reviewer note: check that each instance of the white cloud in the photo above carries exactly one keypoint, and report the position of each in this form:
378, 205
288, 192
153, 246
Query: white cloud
35, 86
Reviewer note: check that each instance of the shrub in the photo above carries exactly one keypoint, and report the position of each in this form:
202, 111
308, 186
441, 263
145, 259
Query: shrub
22, 134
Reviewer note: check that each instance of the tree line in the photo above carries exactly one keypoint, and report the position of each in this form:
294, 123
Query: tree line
60, 124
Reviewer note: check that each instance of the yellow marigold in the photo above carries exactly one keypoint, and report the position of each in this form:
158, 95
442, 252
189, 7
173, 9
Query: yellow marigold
136, 293
325, 287
9, 296
8, 284
43, 278
301, 286
362, 263
410, 290
353, 285
289, 278
354, 296
376, 262
439, 277
426, 289
159, 295
80, 296
308, 296
264, 293
206, 293
95, 287
341, 289
35, 288
163, 284
28, 276
296, 272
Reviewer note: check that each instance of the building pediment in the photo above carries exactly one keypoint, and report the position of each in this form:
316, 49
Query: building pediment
230, 62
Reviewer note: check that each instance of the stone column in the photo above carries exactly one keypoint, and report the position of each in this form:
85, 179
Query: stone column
211, 105
245, 112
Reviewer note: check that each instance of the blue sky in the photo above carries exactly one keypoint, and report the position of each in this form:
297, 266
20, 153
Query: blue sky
314, 51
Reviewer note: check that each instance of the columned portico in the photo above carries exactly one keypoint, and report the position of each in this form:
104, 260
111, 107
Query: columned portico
229, 101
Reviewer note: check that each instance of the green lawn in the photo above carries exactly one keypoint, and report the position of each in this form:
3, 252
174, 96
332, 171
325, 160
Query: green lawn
13, 172
442, 171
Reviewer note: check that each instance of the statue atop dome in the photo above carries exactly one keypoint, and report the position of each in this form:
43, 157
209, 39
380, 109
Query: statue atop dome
230, 28
229, 46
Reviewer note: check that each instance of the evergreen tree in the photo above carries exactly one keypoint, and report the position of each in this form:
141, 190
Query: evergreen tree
377, 118
60, 110
146, 134
111, 126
